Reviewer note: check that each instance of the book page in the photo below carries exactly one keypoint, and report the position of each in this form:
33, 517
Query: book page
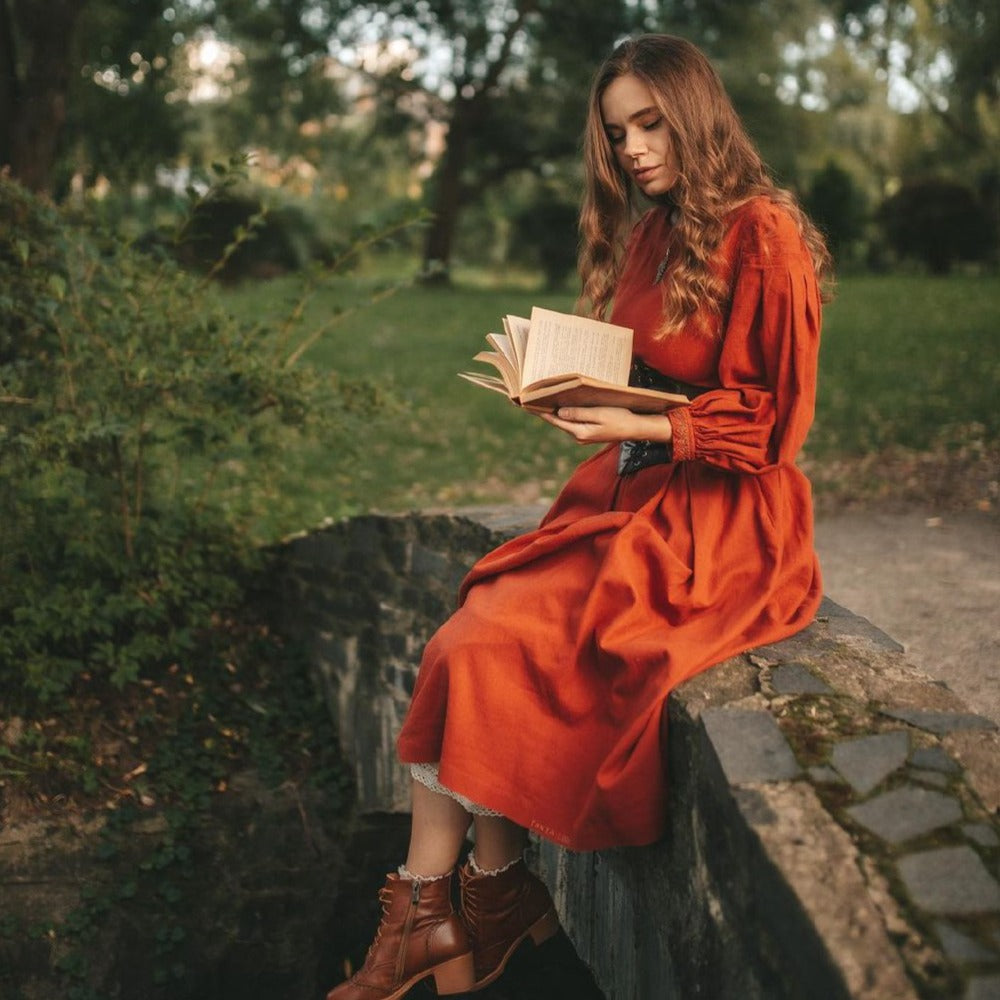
485, 381
503, 366
561, 344
517, 328
583, 391
500, 342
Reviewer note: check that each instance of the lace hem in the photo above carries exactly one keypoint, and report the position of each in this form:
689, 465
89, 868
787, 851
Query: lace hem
427, 775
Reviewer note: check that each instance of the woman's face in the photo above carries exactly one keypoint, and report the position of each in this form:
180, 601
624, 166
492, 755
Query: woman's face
639, 135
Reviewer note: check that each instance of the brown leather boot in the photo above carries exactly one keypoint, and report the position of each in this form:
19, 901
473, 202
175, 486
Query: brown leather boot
502, 910
420, 935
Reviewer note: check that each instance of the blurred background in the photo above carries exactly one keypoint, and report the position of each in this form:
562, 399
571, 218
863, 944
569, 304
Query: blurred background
883, 116
444, 135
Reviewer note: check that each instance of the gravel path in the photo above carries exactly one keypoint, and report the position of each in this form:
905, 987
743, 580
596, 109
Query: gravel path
931, 582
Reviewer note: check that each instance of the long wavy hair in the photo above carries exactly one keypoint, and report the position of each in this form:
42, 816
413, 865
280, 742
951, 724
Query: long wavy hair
719, 169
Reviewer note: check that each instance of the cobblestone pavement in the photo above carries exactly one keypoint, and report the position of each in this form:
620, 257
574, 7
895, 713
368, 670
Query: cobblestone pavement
930, 581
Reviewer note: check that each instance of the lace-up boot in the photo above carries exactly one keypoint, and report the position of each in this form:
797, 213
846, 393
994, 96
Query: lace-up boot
501, 910
420, 935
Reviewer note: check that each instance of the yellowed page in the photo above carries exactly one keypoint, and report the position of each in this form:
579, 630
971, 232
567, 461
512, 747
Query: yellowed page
517, 328
500, 342
561, 344
486, 381
503, 366
582, 391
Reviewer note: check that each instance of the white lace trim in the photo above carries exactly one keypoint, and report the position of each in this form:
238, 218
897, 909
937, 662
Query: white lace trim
474, 865
403, 872
427, 775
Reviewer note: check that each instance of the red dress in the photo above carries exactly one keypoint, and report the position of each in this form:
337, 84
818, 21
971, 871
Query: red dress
541, 697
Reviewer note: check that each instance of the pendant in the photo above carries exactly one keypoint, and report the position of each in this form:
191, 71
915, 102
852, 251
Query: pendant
662, 268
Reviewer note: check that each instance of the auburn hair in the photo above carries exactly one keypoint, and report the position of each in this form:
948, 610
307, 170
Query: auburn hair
719, 169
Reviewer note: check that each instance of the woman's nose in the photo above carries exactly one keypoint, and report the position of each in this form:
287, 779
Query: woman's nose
634, 145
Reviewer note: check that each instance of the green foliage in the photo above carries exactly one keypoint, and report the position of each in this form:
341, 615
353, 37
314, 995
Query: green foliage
255, 716
545, 233
137, 422
119, 121
937, 221
141, 425
275, 242
837, 206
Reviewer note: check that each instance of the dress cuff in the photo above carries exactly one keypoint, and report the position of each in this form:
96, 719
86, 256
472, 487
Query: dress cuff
683, 439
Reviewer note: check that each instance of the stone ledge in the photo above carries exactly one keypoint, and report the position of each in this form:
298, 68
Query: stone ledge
826, 829
834, 823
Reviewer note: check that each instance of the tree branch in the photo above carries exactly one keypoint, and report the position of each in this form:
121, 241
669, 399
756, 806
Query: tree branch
950, 121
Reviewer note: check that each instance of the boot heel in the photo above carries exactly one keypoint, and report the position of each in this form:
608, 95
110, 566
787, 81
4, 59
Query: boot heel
455, 976
544, 927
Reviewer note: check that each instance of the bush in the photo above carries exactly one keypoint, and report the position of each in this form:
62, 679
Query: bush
545, 234
837, 206
137, 419
269, 242
939, 222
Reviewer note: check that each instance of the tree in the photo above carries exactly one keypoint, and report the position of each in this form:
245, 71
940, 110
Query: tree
948, 51
107, 78
940, 60
36, 67
507, 78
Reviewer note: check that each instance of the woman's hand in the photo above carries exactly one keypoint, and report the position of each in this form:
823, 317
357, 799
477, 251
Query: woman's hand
603, 424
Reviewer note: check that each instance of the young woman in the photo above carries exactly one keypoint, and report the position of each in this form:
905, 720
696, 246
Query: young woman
688, 539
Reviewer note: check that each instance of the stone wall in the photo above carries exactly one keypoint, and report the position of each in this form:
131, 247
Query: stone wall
834, 825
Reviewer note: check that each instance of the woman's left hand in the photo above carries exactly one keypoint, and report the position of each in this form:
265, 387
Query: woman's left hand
604, 424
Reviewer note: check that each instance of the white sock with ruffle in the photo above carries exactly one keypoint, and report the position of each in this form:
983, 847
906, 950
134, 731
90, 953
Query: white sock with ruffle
403, 872
489, 871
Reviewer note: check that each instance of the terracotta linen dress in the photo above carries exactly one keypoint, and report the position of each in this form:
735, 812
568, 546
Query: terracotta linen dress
541, 697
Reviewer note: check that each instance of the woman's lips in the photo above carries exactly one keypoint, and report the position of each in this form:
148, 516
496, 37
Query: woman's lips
643, 174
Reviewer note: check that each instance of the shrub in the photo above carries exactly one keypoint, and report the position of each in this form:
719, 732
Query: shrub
939, 222
837, 206
277, 240
137, 419
545, 234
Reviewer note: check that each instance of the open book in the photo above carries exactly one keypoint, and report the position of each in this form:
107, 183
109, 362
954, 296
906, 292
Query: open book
555, 359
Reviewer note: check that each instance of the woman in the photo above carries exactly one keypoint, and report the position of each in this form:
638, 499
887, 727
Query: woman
686, 540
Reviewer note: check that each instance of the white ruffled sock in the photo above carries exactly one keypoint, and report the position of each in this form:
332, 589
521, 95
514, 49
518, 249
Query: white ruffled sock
405, 872
489, 871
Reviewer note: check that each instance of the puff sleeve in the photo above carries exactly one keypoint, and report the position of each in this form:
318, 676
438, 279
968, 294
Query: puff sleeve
759, 416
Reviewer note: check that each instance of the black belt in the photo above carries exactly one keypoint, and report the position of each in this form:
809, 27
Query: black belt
636, 455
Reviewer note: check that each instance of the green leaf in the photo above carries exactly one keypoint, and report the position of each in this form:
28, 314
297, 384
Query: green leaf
57, 286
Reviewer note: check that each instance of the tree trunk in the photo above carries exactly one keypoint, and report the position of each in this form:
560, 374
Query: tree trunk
34, 88
8, 80
448, 197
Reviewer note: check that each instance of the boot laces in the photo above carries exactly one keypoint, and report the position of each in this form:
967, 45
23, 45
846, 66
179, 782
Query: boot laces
471, 905
385, 898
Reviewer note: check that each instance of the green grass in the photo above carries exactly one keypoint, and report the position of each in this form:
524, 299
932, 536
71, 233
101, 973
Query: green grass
906, 361
909, 361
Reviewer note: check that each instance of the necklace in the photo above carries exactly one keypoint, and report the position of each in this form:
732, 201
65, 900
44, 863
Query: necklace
675, 214
662, 267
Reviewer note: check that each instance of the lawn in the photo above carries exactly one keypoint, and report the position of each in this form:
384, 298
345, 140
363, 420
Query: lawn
907, 362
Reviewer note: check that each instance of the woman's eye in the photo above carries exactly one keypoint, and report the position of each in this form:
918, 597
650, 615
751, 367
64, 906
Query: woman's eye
616, 140
650, 126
